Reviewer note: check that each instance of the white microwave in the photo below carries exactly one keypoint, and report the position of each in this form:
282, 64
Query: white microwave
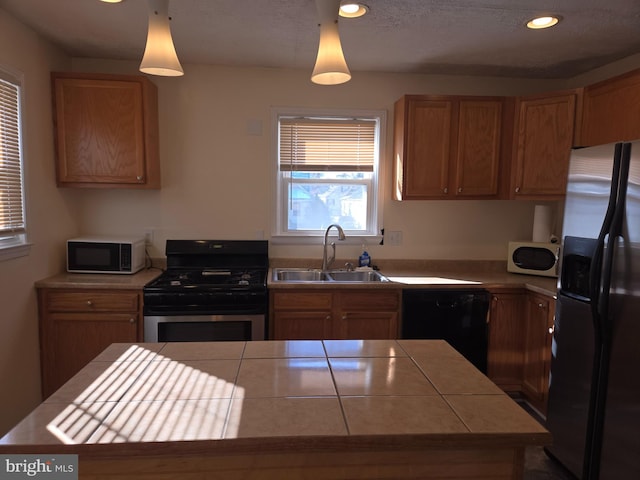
533, 258
119, 255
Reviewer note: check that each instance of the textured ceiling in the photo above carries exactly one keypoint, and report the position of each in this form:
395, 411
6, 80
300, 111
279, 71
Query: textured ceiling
471, 37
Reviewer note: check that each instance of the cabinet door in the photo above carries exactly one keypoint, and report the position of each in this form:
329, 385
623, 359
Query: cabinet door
367, 314
425, 159
302, 325
610, 111
74, 339
478, 147
301, 315
367, 325
106, 131
506, 339
301, 301
537, 353
544, 136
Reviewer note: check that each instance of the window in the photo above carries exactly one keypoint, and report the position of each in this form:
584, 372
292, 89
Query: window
12, 222
327, 172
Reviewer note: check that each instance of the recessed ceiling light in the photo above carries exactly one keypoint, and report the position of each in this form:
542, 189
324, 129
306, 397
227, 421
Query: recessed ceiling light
542, 22
350, 9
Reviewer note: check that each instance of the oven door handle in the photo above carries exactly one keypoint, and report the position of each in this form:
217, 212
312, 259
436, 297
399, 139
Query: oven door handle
211, 273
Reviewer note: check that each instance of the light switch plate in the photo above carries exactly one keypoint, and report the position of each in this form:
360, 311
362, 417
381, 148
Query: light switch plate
394, 238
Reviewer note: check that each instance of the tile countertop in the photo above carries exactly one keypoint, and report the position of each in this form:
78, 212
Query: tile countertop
217, 396
490, 280
424, 276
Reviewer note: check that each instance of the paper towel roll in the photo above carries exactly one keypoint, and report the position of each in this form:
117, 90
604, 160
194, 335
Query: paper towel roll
542, 223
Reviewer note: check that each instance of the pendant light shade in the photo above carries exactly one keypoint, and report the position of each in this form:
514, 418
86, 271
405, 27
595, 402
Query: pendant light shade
331, 67
160, 56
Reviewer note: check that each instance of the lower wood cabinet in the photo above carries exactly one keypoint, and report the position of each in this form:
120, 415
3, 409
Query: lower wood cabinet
77, 324
540, 311
334, 314
520, 325
506, 339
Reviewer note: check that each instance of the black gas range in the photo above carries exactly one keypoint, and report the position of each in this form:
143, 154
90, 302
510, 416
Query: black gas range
211, 290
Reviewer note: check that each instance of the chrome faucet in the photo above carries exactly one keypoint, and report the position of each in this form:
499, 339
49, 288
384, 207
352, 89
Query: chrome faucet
326, 260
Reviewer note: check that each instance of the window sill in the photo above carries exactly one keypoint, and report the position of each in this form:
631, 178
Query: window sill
14, 251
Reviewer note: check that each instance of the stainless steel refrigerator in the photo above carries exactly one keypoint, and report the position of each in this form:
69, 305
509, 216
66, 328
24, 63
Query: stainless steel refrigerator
594, 387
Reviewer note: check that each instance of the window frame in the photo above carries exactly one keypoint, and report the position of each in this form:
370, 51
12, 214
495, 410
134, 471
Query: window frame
279, 231
17, 244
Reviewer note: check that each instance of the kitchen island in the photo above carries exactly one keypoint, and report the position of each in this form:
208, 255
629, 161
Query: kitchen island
329, 409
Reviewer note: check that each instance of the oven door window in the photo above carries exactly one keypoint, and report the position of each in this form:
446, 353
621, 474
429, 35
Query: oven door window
204, 331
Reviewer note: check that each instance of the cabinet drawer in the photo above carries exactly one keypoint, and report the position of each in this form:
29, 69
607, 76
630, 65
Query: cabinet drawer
370, 300
302, 301
93, 301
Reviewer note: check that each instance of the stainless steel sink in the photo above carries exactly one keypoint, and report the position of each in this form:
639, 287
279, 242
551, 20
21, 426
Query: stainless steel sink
317, 275
299, 275
357, 276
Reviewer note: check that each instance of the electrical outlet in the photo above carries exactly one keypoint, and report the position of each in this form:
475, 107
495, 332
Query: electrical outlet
148, 236
393, 238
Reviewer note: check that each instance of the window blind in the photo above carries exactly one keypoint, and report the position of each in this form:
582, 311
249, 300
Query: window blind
11, 204
308, 144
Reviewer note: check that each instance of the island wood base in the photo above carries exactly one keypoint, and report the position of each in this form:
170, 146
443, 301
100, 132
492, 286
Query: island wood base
436, 463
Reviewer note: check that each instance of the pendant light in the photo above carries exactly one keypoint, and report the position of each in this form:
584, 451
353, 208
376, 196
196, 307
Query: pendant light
331, 67
160, 56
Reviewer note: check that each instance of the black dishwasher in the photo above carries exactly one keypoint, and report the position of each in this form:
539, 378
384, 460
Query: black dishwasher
457, 316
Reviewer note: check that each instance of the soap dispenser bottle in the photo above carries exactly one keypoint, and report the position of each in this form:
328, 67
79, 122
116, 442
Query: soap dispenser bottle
364, 260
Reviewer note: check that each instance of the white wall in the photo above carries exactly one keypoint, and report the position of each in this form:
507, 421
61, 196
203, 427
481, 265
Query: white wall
50, 219
217, 177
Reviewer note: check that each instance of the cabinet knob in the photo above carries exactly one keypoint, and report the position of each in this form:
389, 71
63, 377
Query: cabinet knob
89, 303
445, 190
139, 178
459, 189
552, 329
541, 305
328, 317
517, 189
344, 317
132, 320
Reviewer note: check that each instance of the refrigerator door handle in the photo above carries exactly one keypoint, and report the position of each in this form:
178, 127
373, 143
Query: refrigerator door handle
595, 272
615, 231
611, 230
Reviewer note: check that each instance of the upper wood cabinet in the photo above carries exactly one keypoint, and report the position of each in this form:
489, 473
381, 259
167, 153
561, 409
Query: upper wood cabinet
543, 137
611, 111
106, 131
447, 147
